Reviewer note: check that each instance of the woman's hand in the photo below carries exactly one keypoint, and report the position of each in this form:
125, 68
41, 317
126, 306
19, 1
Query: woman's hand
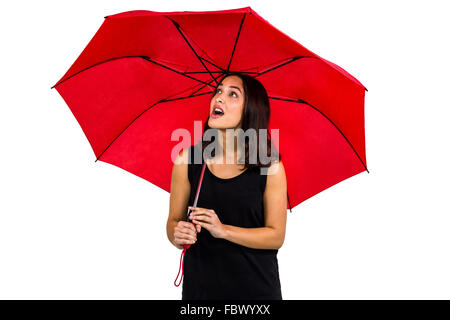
209, 220
185, 233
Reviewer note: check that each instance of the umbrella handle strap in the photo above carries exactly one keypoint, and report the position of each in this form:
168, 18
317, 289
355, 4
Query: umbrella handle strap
185, 247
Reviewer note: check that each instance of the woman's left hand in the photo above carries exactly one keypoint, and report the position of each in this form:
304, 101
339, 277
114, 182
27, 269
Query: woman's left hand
209, 220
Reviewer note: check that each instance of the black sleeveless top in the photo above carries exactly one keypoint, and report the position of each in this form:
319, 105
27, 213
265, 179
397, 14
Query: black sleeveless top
217, 269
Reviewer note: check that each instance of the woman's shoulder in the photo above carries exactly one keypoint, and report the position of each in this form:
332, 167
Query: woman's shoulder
183, 157
189, 157
276, 176
276, 167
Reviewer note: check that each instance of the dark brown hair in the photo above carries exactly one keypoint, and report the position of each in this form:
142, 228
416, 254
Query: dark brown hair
255, 115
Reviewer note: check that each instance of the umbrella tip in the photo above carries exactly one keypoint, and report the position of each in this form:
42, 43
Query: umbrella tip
366, 89
105, 17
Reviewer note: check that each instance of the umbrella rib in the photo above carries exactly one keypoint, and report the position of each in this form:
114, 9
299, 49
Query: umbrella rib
235, 41
160, 101
124, 57
177, 25
283, 64
179, 72
304, 102
290, 208
185, 97
223, 72
190, 72
215, 65
201, 88
94, 65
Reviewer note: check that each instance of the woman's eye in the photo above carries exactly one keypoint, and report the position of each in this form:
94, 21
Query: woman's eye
217, 91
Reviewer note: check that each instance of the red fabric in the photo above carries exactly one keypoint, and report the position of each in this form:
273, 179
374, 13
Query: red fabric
116, 102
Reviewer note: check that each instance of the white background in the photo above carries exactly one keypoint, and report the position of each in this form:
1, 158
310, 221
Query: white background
73, 228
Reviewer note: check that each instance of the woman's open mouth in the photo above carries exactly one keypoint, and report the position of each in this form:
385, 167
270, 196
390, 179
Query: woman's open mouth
217, 112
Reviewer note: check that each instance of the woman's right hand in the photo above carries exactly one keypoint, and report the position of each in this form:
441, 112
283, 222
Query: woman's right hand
185, 233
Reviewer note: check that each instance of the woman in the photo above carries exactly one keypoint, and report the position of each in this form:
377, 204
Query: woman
240, 219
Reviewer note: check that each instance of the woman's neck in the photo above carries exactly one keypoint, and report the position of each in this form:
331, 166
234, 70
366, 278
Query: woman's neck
228, 144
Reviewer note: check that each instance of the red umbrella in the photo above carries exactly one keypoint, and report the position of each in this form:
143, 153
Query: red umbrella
145, 74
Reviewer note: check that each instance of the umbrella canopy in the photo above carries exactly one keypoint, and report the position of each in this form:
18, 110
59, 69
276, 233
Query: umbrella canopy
145, 74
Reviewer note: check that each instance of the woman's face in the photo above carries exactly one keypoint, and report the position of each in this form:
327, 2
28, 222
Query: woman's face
230, 98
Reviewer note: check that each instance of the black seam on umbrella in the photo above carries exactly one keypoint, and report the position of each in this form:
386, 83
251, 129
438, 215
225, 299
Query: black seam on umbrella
125, 57
193, 41
177, 25
304, 102
187, 90
95, 64
185, 97
215, 65
210, 62
249, 72
179, 72
160, 101
201, 88
261, 66
190, 72
290, 208
235, 42
283, 64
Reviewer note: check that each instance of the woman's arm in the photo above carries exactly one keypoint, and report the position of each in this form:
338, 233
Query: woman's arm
180, 189
271, 236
